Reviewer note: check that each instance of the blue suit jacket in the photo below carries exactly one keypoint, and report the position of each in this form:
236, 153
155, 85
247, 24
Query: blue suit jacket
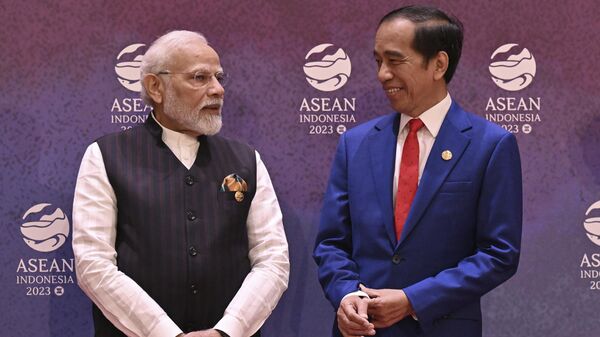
462, 236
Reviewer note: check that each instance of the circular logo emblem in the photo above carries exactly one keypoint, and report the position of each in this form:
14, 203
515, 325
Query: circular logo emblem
592, 223
45, 228
128, 70
327, 67
512, 67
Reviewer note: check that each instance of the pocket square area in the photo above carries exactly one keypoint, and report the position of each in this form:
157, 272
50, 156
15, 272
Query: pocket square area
234, 183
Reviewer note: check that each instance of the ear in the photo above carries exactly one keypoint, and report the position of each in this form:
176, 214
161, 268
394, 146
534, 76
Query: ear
154, 87
440, 65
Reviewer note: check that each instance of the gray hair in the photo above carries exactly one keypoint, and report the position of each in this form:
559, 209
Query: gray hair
161, 51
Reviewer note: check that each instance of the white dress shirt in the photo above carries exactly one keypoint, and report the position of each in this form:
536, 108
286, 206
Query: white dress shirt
433, 119
123, 301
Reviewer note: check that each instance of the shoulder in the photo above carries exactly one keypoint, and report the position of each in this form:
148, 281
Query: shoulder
477, 127
490, 134
121, 135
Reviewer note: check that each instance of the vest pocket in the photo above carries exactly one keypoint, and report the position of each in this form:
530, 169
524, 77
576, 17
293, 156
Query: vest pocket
233, 201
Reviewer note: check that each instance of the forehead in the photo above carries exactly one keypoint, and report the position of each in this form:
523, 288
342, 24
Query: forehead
194, 56
395, 35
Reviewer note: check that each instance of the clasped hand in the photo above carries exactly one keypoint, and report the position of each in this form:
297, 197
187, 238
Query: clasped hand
203, 333
358, 316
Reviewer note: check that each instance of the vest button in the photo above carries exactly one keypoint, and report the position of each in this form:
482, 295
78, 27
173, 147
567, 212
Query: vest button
191, 216
396, 259
194, 289
193, 251
189, 180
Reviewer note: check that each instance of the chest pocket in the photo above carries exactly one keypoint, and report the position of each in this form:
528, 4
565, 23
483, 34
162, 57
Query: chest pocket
455, 187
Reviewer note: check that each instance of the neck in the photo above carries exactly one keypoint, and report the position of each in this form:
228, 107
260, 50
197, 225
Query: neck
434, 98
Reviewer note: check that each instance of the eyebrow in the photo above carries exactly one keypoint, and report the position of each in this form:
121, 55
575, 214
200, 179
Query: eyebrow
391, 53
205, 70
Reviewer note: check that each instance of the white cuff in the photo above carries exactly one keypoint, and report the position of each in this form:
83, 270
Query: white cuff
231, 326
358, 293
165, 327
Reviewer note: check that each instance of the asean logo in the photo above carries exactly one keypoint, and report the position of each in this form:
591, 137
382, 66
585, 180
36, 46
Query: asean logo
128, 70
592, 224
327, 67
45, 230
512, 67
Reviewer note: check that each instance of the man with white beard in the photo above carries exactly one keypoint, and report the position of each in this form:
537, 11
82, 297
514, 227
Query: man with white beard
177, 231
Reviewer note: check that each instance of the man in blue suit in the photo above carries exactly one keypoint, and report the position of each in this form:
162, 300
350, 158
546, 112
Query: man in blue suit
423, 211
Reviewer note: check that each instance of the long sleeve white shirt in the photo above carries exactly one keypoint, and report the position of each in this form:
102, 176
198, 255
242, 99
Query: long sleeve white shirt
123, 301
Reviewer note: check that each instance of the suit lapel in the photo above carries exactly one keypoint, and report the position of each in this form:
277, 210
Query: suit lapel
451, 137
382, 147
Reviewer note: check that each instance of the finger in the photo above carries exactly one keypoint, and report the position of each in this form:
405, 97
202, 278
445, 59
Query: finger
362, 308
351, 327
369, 291
352, 320
361, 332
375, 306
350, 311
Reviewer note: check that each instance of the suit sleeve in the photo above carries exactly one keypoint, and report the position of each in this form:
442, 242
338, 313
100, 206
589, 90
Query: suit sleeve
498, 238
338, 273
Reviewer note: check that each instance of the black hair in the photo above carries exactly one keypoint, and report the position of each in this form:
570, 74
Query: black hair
435, 31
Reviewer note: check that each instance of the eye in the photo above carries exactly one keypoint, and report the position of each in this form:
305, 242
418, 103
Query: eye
222, 78
199, 77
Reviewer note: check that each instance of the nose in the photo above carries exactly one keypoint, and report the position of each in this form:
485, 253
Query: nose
384, 74
215, 88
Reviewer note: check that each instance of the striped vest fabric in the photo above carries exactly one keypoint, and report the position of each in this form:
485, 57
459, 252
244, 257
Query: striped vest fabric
179, 236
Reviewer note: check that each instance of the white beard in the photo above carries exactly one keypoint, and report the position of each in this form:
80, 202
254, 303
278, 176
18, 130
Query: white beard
193, 118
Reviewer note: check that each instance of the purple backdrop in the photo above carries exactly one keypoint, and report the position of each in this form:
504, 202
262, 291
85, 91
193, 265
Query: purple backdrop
60, 91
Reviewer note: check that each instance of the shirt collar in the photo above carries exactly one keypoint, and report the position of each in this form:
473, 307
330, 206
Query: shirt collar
432, 117
171, 137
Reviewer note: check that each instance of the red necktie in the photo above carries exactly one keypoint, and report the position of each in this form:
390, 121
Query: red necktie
409, 176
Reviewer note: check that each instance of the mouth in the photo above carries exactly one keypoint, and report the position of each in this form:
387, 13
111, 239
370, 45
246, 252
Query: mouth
213, 108
393, 91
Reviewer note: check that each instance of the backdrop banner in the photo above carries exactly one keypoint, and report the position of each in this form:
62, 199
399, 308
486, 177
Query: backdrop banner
302, 72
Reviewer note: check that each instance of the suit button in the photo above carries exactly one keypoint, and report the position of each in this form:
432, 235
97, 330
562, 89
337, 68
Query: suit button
396, 259
189, 180
194, 289
193, 251
191, 215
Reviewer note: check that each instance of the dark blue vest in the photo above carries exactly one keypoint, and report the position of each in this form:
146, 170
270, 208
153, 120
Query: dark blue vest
181, 238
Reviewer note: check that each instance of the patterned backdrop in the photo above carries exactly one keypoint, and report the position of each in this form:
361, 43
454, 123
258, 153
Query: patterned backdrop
68, 75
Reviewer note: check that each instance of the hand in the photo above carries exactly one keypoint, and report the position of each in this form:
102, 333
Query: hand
204, 333
352, 317
387, 306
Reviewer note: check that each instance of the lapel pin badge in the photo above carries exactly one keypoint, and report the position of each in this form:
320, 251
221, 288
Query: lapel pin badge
447, 155
239, 196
